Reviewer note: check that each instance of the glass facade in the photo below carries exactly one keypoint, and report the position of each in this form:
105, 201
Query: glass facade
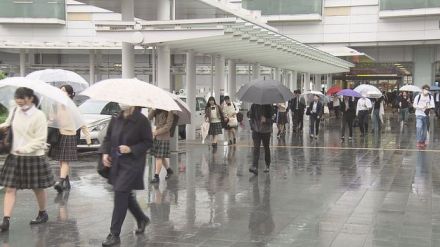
284, 7
53, 9
408, 4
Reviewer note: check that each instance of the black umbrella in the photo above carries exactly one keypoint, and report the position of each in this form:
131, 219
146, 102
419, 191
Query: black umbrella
264, 92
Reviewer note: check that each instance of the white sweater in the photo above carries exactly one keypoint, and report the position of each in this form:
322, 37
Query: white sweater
29, 132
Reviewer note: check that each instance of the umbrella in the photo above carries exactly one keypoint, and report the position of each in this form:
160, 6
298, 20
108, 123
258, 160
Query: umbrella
369, 90
185, 113
61, 111
60, 77
349, 93
265, 92
132, 92
410, 88
333, 90
434, 88
308, 96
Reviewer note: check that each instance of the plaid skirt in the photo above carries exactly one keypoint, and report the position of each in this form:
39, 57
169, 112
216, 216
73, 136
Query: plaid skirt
161, 149
65, 150
215, 129
26, 172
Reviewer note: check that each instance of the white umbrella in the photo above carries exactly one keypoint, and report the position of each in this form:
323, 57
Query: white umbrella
60, 77
369, 90
308, 96
410, 88
185, 113
132, 92
60, 110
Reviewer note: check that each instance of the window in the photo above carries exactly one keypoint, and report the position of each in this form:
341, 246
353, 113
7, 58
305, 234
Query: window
408, 4
284, 7
32, 9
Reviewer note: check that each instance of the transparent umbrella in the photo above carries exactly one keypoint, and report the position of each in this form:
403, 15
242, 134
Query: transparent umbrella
60, 110
60, 77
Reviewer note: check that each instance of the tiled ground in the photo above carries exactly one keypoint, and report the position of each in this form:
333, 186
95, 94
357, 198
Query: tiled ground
378, 191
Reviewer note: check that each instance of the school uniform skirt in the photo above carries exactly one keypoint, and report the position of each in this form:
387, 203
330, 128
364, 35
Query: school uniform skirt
26, 172
66, 149
215, 129
282, 118
161, 149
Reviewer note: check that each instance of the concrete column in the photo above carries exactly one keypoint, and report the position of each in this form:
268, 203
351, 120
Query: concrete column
219, 78
255, 71
232, 81
294, 80
163, 10
98, 64
277, 74
317, 82
306, 81
128, 62
92, 64
423, 65
163, 67
191, 93
22, 63
329, 81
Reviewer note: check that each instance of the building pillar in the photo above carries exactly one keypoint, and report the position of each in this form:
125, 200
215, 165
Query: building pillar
128, 62
277, 74
219, 78
423, 65
255, 71
92, 64
329, 81
317, 82
22, 63
97, 67
306, 82
232, 79
191, 91
163, 67
293, 80
163, 10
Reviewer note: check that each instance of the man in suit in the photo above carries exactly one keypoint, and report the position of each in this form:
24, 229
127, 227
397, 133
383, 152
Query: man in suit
348, 110
316, 109
297, 106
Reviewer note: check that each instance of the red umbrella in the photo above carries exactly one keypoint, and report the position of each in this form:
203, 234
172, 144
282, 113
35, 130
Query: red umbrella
333, 90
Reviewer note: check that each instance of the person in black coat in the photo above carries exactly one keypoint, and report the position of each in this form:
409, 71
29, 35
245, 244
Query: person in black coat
297, 106
262, 125
315, 110
124, 149
348, 109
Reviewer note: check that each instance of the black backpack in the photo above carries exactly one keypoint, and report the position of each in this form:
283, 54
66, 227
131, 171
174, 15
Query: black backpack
174, 125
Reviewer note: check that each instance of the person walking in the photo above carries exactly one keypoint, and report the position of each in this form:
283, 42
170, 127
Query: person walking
163, 121
214, 115
363, 106
437, 103
261, 126
423, 103
26, 166
65, 151
377, 115
281, 119
297, 107
316, 109
404, 105
336, 105
348, 115
230, 111
124, 150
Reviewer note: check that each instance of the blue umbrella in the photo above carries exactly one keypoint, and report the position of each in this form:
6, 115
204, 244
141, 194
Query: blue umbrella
349, 93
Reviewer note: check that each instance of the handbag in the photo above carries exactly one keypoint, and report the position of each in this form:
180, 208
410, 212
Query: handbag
6, 137
102, 170
53, 136
233, 122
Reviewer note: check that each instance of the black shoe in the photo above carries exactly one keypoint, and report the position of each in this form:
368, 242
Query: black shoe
67, 183
4, 227
169, 173
267, 169
253, 170
141, 225
59, 186
155, 180
112, 240
41, 218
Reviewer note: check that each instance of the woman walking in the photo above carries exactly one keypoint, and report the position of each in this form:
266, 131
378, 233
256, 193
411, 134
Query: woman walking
26, 166
124, 150
230, 111
65, 151
161, 140
315, 110
281, 119
348, 115
214, 115
404, 105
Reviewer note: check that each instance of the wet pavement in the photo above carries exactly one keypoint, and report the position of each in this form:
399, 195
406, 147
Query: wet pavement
375, 191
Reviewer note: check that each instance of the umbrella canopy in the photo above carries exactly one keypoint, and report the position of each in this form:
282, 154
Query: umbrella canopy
434, 88
60, 77
369, 90
410, 88
185, 113
333, 90
132, 92
61, 111
349, 93
265, 92
308, 96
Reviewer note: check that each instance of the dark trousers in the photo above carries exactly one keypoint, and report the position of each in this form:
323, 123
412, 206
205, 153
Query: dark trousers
297, 119
124, 200
336, 109
258, 138
314, 124
437, 109
363, 121
347, 121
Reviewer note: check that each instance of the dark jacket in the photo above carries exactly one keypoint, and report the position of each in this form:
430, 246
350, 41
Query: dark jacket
255, 114
351, 113
127, 171
293, 103
319, 109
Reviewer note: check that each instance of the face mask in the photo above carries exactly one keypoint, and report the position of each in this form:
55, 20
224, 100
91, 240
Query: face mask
124, 107
25, 107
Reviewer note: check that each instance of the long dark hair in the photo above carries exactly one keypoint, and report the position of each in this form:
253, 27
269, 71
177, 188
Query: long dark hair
24, 92
69, 90
208, 105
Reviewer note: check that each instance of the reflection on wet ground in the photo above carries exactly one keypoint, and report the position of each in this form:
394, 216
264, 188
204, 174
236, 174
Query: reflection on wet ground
377, 191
